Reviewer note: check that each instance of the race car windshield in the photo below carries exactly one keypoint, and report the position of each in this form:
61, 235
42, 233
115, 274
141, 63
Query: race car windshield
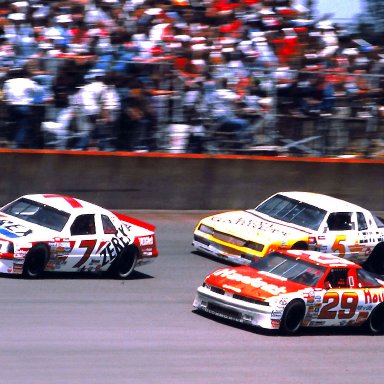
296, 270
37, 213
292, 211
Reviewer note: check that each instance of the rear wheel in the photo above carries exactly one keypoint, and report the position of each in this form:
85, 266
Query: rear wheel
292, 317
35, 262
375, 322
300, 245
125, 263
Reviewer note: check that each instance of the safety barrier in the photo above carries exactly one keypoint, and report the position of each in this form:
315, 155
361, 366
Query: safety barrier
120, 180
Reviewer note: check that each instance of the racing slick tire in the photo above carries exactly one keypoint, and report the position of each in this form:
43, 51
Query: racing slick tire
125, 263
35, 262
292, 317
300, 245
375, 262
375, 322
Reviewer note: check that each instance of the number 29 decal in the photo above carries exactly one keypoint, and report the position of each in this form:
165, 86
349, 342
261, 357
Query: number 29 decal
348, 304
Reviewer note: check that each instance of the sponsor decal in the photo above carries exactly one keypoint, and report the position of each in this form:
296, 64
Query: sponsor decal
11, 230
373, 296
145, 241
115, 247
251, 223
256, 282
277, 314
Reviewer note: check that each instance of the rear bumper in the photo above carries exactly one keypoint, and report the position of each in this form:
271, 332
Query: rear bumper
8, 266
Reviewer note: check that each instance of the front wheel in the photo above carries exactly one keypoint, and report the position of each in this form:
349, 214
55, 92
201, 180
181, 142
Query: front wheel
292, 317
125, 263
35, 262
375, 322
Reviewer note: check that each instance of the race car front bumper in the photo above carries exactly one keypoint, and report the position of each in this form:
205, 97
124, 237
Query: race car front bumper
234, 309
216, 250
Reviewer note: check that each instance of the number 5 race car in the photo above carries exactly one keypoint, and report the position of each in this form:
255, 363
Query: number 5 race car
46, 232
295, 220
289, 289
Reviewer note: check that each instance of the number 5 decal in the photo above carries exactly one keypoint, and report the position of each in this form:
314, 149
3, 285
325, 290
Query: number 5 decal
348, 304
337, 246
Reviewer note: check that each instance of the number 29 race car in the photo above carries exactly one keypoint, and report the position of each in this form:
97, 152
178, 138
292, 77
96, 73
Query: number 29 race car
48, 232
289, 289
295, 220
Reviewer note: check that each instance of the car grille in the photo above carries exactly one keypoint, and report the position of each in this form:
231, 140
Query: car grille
228, 313
221, 291
229, 239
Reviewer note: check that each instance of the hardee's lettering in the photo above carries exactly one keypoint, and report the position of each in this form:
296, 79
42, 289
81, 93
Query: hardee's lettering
256, 282
373, 297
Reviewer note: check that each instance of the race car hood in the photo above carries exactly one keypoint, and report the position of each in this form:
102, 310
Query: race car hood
13, 229
250, 225
247, 281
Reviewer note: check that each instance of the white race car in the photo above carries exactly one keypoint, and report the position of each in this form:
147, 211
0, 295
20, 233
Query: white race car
295, 220
49, 232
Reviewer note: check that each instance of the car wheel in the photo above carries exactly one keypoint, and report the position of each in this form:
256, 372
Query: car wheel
300, 245
292, 317
125, 263
375, 262
35, 262
375, 321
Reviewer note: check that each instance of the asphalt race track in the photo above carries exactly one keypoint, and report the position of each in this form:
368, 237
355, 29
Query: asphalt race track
91, 329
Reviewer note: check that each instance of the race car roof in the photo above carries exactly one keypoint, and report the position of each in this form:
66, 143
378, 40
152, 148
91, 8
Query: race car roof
62, 202
325, 202
320, 258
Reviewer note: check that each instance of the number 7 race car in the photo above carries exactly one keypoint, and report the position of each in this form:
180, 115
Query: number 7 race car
288, 289
47, 232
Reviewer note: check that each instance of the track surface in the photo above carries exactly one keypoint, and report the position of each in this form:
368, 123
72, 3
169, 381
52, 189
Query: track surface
91, 329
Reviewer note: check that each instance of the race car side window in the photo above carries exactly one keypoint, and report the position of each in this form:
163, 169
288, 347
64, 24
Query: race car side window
83, 225
108, 227
340, 221
337, 278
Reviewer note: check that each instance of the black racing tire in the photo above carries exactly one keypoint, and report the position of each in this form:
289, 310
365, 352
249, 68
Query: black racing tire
35, 262
292, 317
125, 263
375, 322
375, 262
300, 245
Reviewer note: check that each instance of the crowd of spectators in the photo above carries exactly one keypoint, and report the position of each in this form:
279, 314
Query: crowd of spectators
111, 74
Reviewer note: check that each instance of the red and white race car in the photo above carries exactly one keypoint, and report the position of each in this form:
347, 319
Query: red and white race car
49, 232
288, 289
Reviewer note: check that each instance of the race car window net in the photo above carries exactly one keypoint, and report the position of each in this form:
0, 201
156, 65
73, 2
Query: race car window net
37, 213
297, 270
292, 211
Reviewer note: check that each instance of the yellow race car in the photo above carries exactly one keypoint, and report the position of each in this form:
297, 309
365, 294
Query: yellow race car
294, 220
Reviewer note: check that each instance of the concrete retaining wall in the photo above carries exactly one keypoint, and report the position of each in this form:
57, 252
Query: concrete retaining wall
150, 181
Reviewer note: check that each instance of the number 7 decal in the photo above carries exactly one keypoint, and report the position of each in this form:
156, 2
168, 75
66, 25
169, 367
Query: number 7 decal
89, 246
